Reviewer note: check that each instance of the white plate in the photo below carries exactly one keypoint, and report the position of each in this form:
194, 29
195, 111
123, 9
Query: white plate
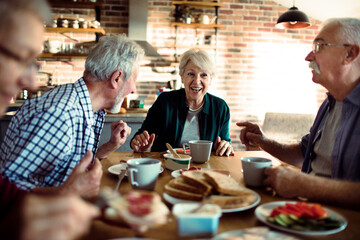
173, 201
176, 173
116, 169
264, 210
253, 233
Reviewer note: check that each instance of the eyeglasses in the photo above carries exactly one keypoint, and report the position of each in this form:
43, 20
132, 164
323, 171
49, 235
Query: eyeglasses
317, 46
28, 64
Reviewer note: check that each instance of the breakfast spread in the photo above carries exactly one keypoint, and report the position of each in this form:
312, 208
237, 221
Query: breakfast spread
215, 187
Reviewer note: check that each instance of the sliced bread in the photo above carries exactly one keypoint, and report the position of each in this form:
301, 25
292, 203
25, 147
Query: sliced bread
196, 178
177, 193
180, 184
225, 184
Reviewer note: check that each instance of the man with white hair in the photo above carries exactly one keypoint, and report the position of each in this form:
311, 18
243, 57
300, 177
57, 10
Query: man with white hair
330, 153
50, 134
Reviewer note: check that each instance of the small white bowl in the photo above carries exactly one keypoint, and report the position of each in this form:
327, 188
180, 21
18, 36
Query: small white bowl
173, 163
202, 223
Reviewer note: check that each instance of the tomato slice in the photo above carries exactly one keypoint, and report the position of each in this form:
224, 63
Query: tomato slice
318, 210
180, 150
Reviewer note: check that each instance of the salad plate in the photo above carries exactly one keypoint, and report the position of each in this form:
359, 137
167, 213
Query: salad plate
264, 210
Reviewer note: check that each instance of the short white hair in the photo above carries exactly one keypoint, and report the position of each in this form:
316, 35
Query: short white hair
348, 29
112, 53
200, 58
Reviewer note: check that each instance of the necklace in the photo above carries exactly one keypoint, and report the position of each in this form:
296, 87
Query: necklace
196, 109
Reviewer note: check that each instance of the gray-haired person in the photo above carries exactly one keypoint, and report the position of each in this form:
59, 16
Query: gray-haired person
49, 135
330, 153
187, 114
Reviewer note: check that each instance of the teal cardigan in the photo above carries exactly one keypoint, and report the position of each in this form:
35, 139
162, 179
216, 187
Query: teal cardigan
166, 118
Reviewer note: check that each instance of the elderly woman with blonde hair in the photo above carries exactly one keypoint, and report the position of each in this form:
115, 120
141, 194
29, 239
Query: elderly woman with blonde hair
190, 113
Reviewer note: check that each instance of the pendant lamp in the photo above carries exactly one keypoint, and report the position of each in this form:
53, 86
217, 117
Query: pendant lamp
293, 19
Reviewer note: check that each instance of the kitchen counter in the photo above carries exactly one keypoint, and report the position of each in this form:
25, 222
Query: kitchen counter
133, 117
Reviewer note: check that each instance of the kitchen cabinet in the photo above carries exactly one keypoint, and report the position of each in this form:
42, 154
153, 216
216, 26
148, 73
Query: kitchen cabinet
133, 120
97, 6
180, 22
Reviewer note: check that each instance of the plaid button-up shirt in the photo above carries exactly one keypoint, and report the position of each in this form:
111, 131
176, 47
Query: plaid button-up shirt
49, 135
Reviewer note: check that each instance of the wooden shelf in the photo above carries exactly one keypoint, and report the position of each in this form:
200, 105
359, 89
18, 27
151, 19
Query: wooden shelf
69, 4
76, 30
195, 25
198, 4
61, 55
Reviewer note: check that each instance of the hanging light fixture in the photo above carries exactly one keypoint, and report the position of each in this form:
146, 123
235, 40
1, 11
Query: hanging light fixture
293, 19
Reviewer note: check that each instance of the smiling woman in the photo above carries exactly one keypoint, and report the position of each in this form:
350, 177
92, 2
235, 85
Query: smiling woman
187, 114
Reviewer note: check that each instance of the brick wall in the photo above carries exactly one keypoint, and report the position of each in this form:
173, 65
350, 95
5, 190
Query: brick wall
259, 68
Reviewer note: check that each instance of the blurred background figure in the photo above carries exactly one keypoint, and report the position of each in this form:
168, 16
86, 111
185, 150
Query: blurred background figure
26, 215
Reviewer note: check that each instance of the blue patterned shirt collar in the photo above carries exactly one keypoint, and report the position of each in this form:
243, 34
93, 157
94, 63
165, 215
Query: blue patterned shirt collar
85, 101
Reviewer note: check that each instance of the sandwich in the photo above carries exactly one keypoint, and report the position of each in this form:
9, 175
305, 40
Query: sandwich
140, 210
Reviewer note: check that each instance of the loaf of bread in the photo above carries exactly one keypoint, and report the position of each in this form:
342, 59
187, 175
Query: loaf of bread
225, 184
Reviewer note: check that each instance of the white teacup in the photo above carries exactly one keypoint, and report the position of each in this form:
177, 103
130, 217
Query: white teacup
253, 170
200, 150
143, 173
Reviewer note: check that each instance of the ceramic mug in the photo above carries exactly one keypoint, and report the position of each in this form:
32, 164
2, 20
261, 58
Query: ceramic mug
143, 173
200, 150
253, 170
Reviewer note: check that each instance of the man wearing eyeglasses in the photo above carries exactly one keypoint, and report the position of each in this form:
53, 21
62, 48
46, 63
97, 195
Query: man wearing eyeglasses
25, 215
330, 153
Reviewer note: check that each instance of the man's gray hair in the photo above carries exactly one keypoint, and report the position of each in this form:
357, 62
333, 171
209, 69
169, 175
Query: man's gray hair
348, 29
8, 8
112, 53
200, 58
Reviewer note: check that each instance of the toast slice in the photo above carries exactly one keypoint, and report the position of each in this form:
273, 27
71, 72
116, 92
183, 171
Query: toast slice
196, 178
182, 194
180, 184
225, 184
230, 202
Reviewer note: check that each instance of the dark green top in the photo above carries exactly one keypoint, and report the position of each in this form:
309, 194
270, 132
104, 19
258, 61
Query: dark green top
166, 118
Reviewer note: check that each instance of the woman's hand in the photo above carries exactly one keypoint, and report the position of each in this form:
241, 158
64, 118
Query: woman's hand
223, 147
142, 142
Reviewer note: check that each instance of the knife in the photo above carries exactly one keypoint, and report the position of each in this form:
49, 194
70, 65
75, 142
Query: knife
120, 178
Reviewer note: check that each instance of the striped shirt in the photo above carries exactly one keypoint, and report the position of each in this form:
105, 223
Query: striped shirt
49, 135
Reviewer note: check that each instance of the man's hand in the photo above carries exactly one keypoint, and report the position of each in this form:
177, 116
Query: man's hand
223, 147
55, 217
119, 132
251, 135
85, 178
142, 142
284, 181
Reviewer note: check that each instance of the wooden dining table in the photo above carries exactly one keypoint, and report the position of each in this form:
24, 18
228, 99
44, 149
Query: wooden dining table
102, 228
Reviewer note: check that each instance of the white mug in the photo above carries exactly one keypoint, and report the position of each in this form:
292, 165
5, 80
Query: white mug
143, 173
253, 170
200, 150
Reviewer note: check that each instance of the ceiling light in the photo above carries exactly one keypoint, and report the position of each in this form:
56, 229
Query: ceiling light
293, 19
